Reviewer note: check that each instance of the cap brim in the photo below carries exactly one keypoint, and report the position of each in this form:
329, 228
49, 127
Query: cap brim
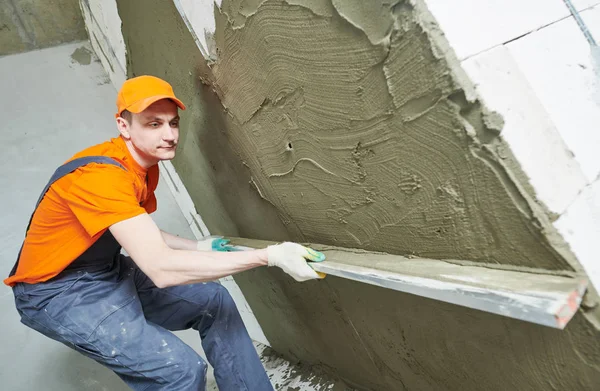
143, 104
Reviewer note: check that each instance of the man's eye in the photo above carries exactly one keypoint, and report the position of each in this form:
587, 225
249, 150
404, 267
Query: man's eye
154, 124
175, 124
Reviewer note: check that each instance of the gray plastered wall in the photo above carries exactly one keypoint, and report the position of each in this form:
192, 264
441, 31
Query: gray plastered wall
33, 24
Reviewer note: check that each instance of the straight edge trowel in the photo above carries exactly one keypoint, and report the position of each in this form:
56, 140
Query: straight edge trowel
532, 295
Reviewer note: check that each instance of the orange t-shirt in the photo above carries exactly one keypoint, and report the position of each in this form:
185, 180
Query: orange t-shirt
79, 207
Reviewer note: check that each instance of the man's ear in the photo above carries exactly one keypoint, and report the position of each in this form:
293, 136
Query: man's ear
123, 127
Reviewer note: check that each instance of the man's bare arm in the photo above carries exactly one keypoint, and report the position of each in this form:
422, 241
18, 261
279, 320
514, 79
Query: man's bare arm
143, 241
178, 243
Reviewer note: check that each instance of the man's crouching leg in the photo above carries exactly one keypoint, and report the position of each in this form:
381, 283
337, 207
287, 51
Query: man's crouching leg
208, 308
104, 320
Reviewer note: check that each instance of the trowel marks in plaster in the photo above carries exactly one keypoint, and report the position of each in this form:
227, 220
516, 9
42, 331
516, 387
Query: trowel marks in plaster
354, 127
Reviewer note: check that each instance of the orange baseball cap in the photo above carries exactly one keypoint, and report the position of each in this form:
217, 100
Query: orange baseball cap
138, 93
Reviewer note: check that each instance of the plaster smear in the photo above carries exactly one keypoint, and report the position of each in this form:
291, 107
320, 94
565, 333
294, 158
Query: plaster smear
352, 142
353, 124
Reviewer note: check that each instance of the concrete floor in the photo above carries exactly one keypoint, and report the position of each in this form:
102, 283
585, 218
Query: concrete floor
53, 106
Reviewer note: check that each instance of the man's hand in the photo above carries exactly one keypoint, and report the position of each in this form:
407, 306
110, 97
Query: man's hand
292, 257
212, 243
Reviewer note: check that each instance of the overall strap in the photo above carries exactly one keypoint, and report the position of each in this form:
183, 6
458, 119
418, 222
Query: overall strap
60, 172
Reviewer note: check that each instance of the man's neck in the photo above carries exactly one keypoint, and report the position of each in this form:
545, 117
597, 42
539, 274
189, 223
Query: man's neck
138, 157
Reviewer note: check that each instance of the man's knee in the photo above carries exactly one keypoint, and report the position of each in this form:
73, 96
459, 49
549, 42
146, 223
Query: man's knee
224, 299
221, 308
220, 299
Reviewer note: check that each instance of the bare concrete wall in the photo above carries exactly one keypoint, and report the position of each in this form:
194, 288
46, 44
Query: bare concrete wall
360, 132
34, 24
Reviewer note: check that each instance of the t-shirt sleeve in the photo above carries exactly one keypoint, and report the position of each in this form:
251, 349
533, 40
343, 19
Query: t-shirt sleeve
101, 197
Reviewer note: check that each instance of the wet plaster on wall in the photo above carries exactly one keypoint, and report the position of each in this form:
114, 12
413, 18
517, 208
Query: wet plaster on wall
357, 125
29, 24
333, 136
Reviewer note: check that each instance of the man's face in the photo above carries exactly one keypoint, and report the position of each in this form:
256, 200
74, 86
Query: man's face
154, 132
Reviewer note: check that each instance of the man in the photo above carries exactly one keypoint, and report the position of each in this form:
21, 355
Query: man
72, 284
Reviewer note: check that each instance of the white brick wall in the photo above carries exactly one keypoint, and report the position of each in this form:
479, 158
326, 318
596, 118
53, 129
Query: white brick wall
528, 129
557, 64
473, 26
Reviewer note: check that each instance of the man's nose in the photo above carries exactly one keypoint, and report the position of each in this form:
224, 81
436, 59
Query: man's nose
170, 134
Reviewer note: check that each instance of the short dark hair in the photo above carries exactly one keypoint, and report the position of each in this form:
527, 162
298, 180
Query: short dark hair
126, 115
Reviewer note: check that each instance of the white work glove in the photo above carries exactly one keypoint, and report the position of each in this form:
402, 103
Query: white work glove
212, 243
292, 257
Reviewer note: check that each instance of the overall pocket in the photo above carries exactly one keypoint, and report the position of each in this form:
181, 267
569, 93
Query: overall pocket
32, 298
82, 307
